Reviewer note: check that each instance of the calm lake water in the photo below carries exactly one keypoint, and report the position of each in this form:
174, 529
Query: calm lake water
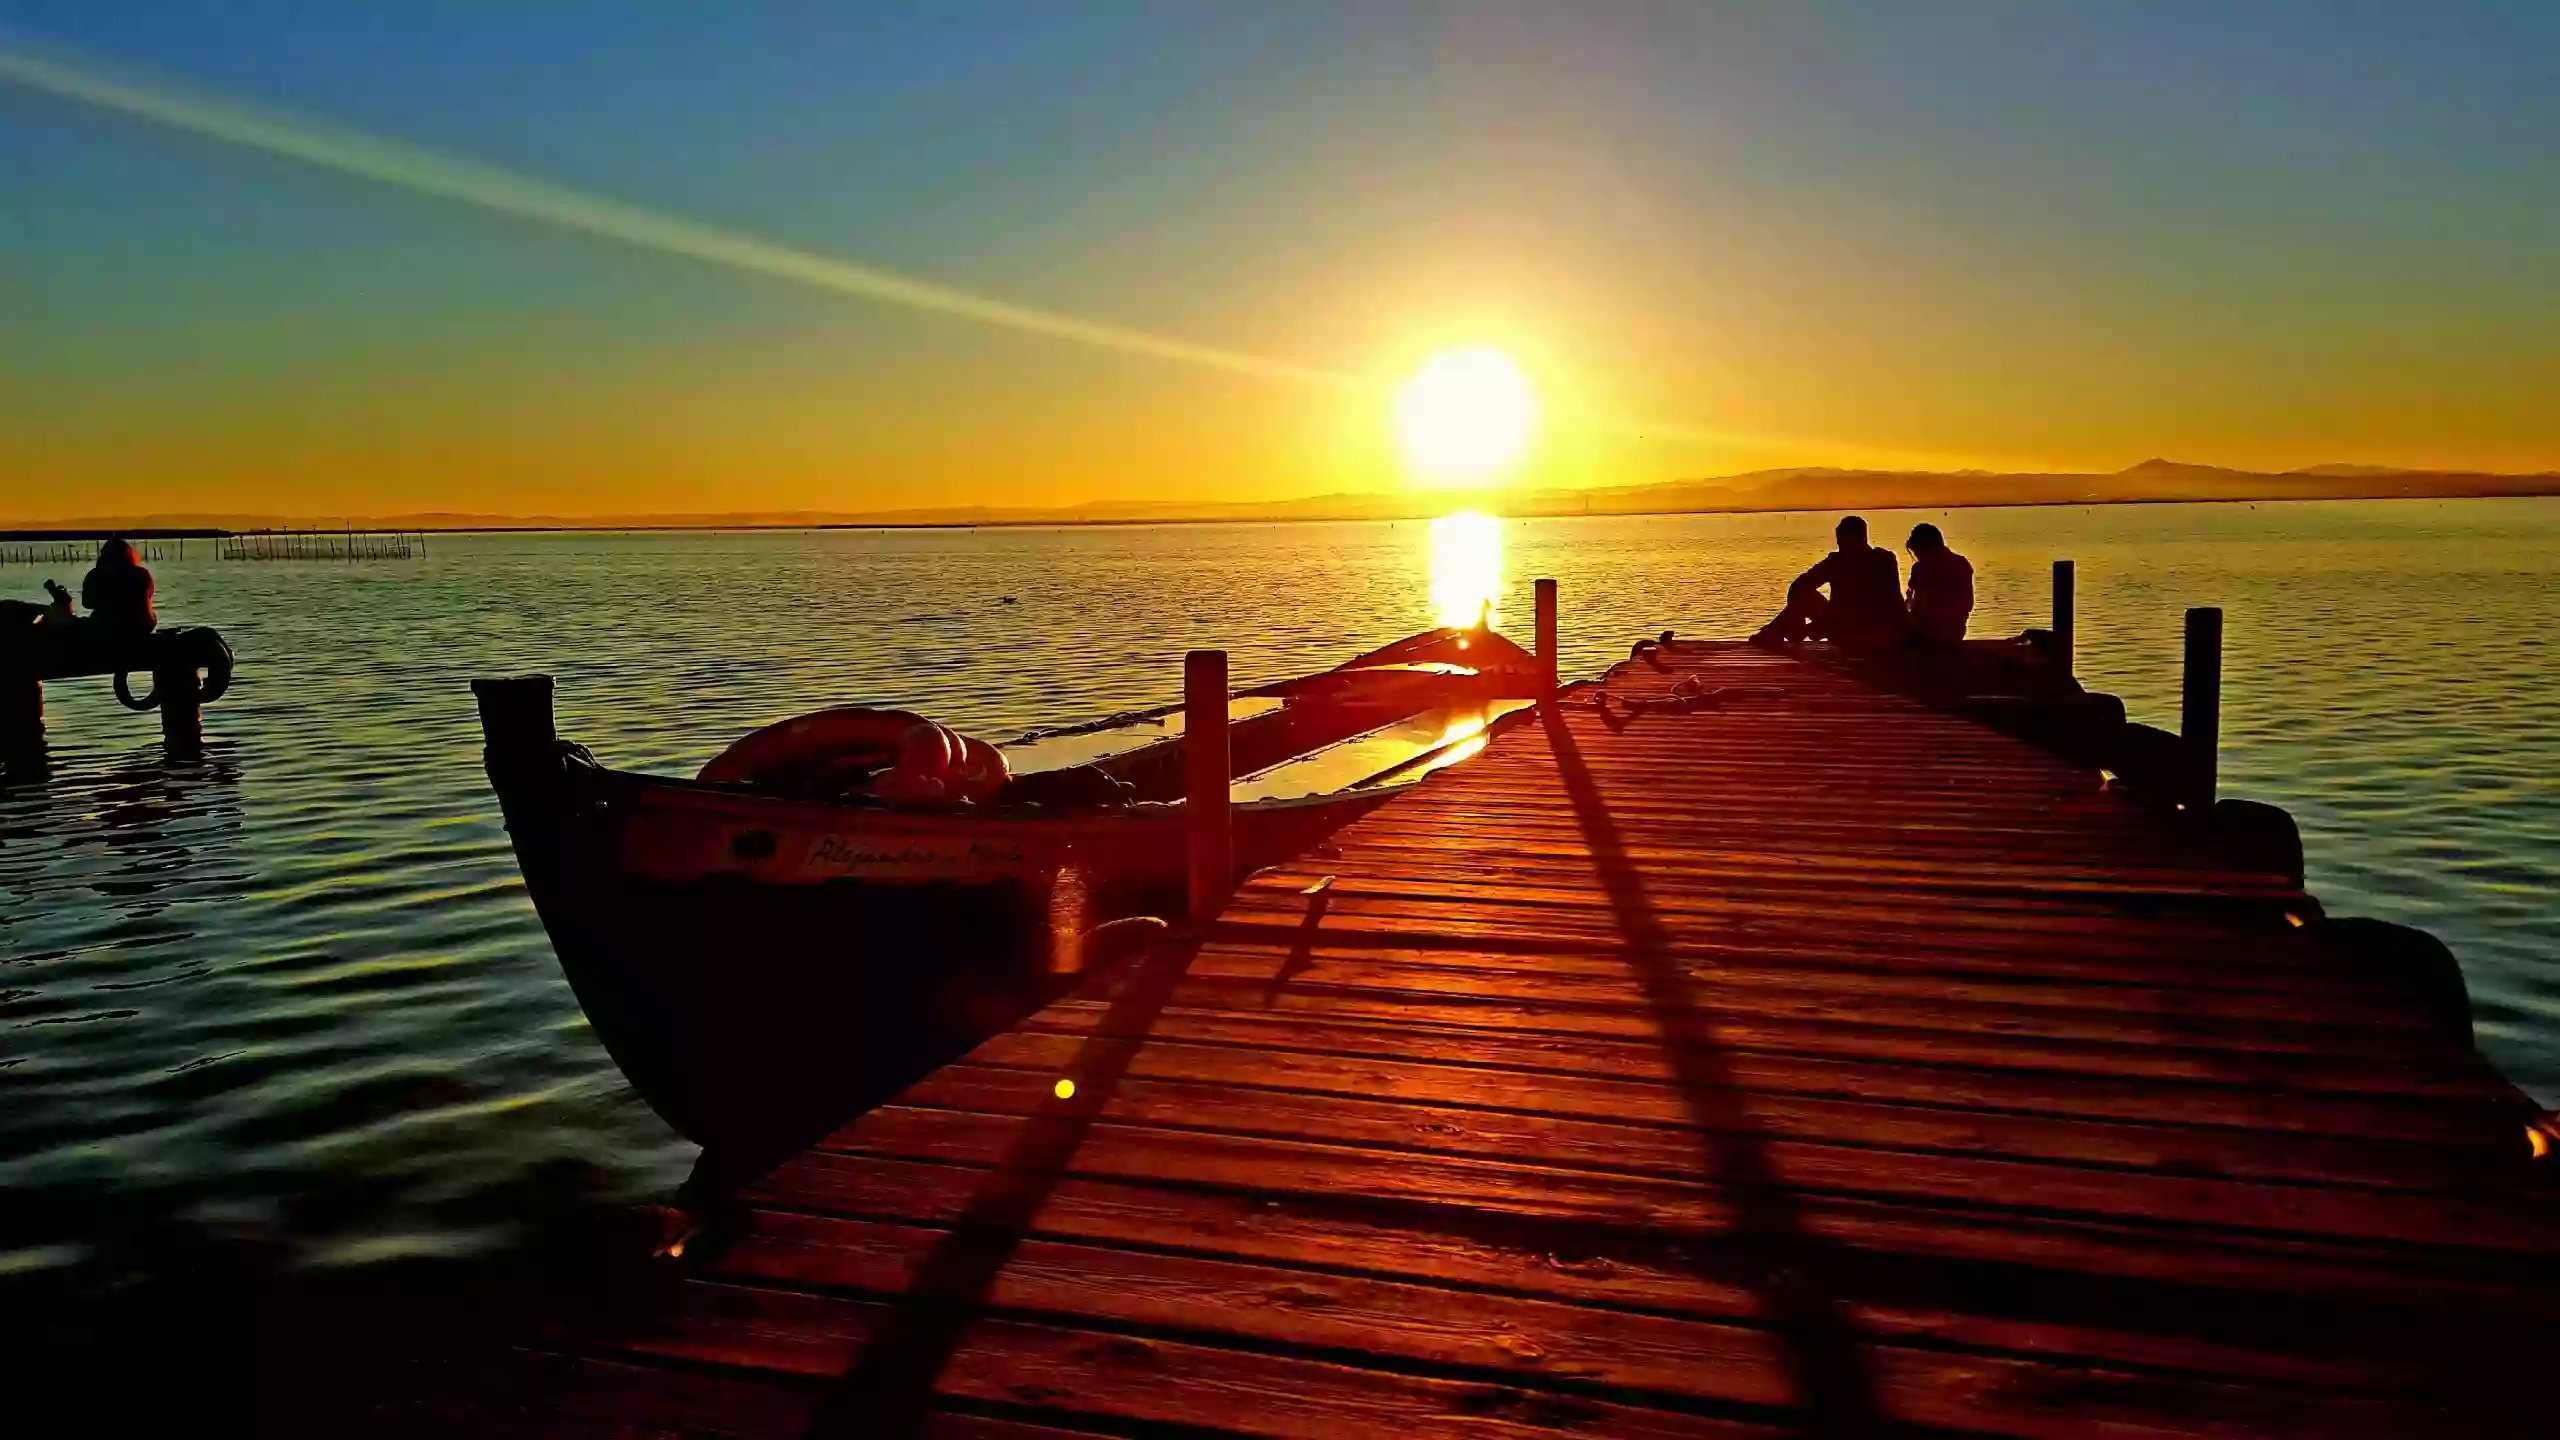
290, 999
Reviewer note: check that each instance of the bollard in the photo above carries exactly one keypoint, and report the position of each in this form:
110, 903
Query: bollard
21, 717
2200, 702
1206, 772
1546, 639
181, 697
2063, 616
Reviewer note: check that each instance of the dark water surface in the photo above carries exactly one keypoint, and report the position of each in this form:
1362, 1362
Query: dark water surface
291, 998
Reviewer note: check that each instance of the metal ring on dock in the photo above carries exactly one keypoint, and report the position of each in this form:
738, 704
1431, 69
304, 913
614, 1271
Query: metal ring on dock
124, 693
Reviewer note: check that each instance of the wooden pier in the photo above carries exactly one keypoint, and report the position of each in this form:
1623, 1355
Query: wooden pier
1811, 1061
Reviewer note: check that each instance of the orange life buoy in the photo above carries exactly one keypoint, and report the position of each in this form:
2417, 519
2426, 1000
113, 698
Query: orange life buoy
922, 775
788, 753
981, 770
939, 764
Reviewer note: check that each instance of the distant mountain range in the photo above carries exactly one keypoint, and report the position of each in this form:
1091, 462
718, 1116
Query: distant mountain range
1806, 488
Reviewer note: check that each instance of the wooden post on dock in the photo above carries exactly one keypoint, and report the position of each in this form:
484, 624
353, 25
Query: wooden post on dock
1206, 773
2063, 617
1546, 639
181, 696
2200, 702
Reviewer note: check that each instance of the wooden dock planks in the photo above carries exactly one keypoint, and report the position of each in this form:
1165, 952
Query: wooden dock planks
1818, 1063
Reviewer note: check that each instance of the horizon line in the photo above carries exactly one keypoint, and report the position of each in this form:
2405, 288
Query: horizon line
1026, 518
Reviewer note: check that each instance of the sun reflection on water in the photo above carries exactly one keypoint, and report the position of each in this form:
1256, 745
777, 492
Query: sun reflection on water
1466, 569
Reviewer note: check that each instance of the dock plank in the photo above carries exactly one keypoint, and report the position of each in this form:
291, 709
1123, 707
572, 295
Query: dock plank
1813, 1063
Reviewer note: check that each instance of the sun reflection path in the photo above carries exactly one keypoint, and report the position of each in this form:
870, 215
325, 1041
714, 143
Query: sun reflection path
1466, 569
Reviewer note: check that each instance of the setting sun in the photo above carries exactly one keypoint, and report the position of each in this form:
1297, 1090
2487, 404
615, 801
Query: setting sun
1466, 415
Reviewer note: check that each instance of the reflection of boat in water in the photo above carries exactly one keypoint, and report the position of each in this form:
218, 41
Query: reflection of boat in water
763, 964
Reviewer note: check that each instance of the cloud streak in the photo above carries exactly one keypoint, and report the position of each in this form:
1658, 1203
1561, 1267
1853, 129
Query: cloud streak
410, 167
352, 152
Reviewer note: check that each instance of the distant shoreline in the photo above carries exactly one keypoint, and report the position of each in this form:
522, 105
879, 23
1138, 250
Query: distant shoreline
1542, 506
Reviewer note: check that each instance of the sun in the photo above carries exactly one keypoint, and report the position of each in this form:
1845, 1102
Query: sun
1466, 415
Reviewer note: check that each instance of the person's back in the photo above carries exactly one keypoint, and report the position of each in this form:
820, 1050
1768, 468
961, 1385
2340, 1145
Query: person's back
1864, 609
118, 592
1866, 596
1941, 588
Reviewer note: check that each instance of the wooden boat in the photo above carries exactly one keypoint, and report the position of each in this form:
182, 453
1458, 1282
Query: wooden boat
763, 966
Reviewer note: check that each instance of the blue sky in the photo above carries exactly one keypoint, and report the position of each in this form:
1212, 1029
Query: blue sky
2019, 233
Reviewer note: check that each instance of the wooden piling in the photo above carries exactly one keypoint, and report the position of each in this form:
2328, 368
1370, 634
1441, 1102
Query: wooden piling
2200, 702
1546, 638
2064, 618
21, 716
1206, 771
181, 695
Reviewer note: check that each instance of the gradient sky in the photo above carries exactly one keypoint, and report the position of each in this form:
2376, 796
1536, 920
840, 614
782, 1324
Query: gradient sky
1720, 237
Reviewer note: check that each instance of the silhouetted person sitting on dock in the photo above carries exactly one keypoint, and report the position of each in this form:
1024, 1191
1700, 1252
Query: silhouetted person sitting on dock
118, 593
1864, 609
1941, 588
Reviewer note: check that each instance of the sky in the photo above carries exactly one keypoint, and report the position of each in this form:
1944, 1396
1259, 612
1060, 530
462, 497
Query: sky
855, 257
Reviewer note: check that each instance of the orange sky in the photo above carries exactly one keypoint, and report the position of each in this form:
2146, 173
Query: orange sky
708, 273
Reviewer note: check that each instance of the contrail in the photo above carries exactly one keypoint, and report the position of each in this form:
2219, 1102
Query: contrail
410, 167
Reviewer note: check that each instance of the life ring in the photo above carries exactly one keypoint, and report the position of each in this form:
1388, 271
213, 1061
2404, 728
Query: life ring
793, 754
199, 648
939, 765
979, 771
893, 755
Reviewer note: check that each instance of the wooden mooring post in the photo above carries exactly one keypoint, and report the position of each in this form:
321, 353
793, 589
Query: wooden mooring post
2064, 618
1546, 639
21, 717
2200, 702
181, 694
1206, 773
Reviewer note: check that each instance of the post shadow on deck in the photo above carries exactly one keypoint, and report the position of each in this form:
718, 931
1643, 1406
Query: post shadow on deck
1782, 1263
891, 1384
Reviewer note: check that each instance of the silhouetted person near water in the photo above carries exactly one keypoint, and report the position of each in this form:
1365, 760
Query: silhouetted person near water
1864, 609
118, 594
20, 618
1941, 588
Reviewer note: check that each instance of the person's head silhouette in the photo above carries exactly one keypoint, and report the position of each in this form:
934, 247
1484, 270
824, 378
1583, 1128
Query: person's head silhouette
1852, 534
1925, 538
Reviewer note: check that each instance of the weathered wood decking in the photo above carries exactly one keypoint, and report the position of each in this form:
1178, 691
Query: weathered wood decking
1814, 1062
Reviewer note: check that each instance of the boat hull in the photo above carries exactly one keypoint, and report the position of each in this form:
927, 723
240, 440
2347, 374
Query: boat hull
762, 969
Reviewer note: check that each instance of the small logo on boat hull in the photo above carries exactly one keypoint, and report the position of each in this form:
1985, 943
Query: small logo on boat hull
911, 857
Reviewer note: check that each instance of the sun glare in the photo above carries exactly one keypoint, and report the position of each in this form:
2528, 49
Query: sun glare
1466, 415
1466, 569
